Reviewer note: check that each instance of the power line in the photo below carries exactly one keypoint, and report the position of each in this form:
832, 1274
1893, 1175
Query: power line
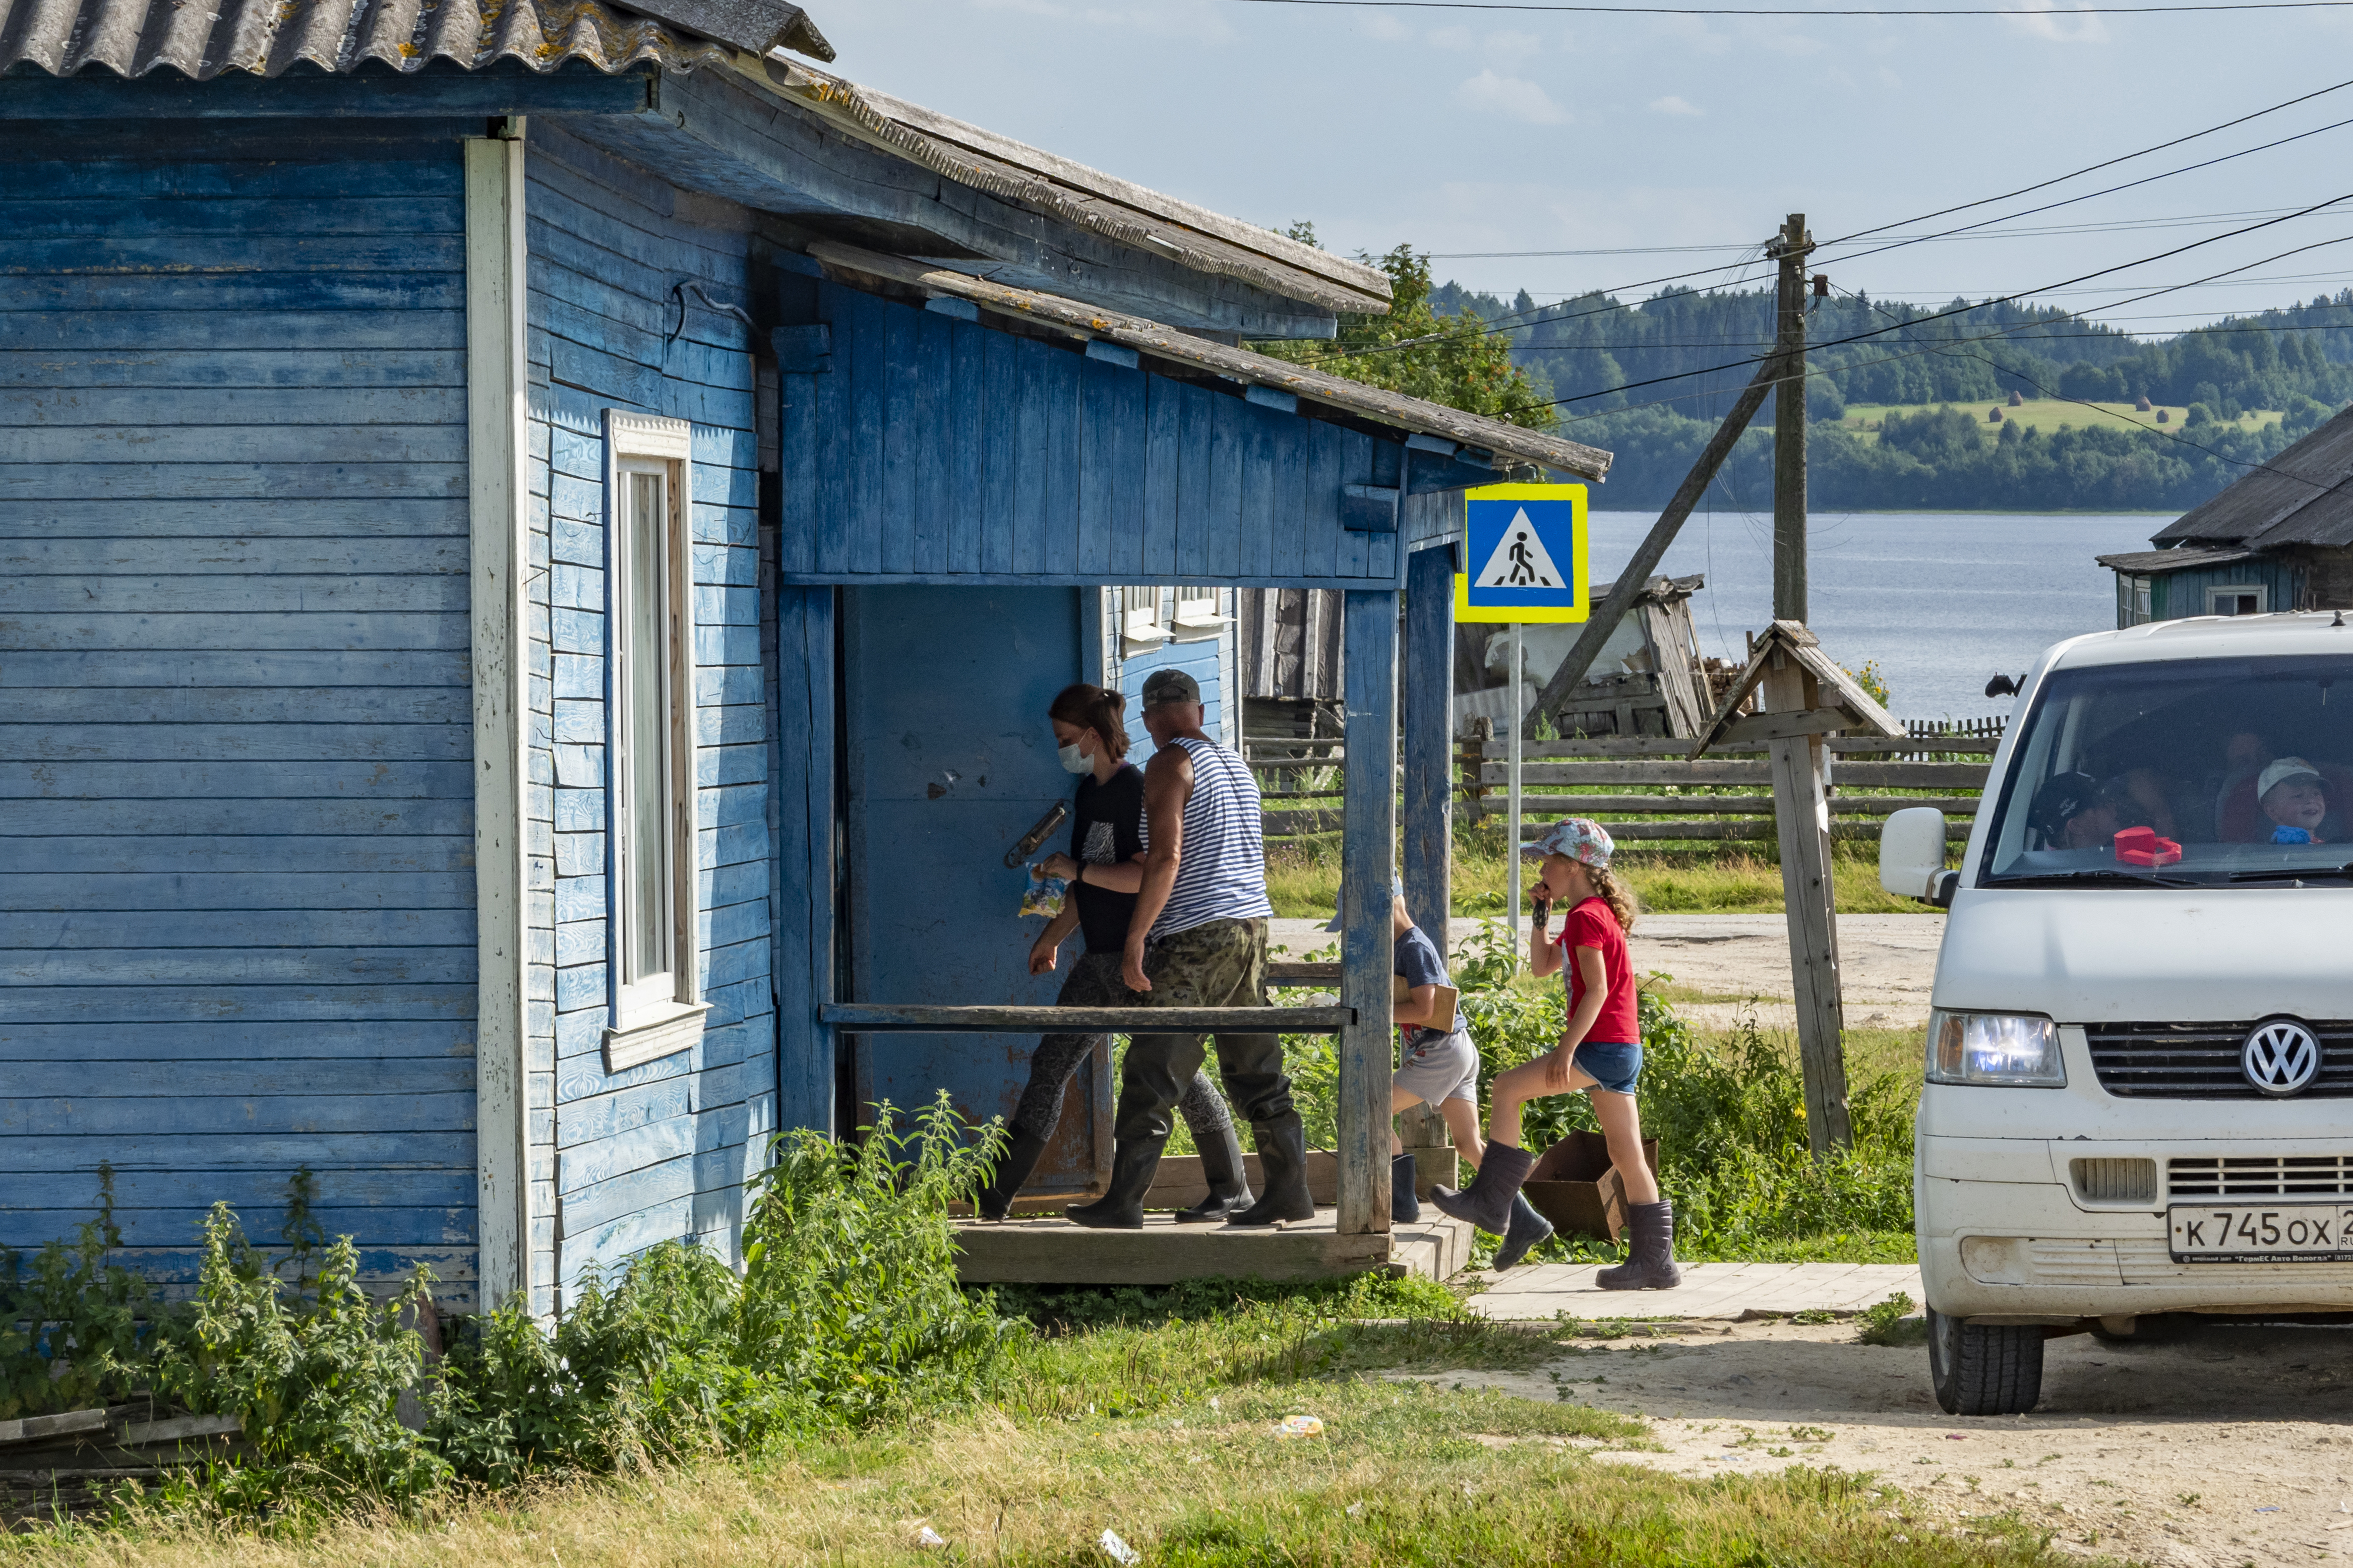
1938, 346
1794, 11
2010, 299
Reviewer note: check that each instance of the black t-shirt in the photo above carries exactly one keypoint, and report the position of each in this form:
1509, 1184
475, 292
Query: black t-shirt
1106, 828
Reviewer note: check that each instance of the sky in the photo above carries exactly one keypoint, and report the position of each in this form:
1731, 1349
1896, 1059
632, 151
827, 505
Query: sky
1467, 132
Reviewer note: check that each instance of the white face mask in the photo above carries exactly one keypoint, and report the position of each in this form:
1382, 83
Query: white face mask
1075, 761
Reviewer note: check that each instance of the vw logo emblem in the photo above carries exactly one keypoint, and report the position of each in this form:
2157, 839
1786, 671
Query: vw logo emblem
2281, 1057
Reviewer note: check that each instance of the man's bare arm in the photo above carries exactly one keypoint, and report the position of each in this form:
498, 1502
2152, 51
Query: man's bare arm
1167, 786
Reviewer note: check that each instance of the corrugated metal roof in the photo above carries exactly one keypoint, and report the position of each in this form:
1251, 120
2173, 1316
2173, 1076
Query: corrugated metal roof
2304, 495
2183, 559
1242, 365
204, 38
1117, 208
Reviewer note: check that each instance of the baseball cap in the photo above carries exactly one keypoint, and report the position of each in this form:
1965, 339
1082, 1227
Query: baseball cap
2284, 770
2062, 797
1163, 687
1396, 891
1579, 837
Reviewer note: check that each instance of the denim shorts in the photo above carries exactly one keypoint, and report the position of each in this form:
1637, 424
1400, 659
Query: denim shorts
1616, 1068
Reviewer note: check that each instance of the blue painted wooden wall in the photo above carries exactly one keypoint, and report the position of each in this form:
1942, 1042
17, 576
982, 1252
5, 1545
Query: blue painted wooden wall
951, 760
237, 925
941, 450
658, 1152
1206, 659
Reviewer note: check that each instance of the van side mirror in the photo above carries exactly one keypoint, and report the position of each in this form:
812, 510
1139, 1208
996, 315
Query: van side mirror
1912, 855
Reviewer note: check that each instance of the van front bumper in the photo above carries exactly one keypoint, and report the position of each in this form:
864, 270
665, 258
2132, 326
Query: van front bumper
2002, 1234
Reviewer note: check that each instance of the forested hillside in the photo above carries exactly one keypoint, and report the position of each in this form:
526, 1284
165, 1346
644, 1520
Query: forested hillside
2296, 363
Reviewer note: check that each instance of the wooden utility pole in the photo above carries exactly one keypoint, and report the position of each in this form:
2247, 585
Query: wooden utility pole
1604, 617
1802, 763
1790, 424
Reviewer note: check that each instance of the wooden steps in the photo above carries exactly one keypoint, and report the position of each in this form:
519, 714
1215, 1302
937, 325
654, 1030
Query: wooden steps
1053, 1251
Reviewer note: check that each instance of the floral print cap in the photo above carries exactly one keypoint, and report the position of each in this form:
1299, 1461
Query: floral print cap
1578, 838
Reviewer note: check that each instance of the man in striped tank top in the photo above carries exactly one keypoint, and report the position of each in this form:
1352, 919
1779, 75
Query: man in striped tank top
1197, 939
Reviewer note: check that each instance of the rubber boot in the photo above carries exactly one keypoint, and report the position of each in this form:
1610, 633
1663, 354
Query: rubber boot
1282, 1167
1229, 1190
1122, 1208
1528, 1228
1487, 1201
1013, 1167
1651, 1263
1403, 1208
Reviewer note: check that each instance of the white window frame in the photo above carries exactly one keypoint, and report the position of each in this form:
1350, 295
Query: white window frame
1142, 627
1199, 616
662, 1014
2233, 590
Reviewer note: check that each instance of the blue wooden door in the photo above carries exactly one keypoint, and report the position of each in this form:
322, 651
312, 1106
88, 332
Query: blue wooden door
950, 761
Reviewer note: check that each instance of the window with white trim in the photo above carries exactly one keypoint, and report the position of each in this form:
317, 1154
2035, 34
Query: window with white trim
1197, 618
2236, 599
650, 811
1142, 627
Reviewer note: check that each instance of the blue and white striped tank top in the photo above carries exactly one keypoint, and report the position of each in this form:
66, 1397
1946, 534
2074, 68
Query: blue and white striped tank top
1221, 863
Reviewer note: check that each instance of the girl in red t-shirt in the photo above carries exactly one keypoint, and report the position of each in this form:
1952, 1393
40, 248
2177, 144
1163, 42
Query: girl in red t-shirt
1600, 1053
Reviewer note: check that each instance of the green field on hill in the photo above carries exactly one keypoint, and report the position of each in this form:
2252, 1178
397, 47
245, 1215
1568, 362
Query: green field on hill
2047, 415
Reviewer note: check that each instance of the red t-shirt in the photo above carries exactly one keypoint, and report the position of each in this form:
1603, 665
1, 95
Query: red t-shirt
1594, 924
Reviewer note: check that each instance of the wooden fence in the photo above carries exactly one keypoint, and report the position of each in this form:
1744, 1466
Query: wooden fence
1722, 796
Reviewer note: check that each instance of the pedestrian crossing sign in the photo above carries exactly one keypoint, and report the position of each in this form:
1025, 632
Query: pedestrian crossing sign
1525, 548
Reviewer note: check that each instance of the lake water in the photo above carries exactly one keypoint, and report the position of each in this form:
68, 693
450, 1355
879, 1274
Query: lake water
1940, 602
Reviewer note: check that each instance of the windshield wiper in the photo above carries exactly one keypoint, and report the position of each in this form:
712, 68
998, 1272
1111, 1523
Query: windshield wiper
2295, 874
2092, 877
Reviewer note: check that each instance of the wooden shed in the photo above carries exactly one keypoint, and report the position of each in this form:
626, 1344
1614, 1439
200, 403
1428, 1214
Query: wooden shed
2279, 537
530, 530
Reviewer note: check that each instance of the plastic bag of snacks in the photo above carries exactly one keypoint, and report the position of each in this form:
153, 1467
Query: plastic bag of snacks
1044, 894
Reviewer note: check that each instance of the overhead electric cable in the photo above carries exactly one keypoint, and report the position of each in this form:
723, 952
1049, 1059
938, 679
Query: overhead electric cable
1830, 11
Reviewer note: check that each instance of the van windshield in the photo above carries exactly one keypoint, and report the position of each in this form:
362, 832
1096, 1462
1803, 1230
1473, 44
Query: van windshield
2201, 772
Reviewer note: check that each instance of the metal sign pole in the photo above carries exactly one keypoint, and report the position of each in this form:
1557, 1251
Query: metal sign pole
1512, 840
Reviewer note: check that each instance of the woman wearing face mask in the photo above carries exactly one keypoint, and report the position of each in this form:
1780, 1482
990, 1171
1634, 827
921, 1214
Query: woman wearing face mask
1105, 871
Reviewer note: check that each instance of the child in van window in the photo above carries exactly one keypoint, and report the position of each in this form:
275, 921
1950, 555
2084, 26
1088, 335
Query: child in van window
2295, 801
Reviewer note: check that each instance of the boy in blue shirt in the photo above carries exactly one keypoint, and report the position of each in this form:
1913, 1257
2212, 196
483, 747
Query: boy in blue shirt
1441, 1069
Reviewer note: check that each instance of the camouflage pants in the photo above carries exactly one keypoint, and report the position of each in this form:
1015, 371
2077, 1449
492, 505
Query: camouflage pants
1219, 964
1094, 982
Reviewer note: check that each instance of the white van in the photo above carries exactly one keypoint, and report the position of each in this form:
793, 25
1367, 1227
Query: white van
2139, 1091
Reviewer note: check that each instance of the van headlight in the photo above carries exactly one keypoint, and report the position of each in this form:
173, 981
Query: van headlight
2017, 1049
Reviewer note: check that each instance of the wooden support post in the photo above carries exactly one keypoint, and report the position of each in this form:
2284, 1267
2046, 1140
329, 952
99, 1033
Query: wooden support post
499, 507
1605, 617
1801, 815
1428, 803
1428, 682
1790, 424
1367, 866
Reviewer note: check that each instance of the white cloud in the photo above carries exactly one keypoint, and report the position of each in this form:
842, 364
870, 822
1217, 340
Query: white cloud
1196, 22
2050, 22
1506, 47
1671, 104
1450, 37
1388, 30
1511, 98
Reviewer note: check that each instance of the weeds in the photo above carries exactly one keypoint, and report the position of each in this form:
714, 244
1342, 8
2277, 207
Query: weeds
1891, 1322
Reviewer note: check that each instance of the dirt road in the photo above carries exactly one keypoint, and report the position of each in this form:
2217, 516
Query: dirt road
2202, 1446
1888, 962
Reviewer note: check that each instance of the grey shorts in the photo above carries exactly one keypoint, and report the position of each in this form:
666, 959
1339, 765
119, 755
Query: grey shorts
1441, 1070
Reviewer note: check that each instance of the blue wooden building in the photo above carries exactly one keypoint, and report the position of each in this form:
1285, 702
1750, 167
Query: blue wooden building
2279, 537
537, 540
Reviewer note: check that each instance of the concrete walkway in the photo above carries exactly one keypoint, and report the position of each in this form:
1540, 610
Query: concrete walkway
1548, 1290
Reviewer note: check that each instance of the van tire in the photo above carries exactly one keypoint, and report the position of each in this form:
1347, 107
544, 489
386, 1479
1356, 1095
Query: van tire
1981, 1370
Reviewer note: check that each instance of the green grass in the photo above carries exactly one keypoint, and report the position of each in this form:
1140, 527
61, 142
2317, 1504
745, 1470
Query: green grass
1163, 1431
2047, 415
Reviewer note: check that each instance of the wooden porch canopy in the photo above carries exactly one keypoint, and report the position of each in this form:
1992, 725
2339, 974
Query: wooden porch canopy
941, 429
